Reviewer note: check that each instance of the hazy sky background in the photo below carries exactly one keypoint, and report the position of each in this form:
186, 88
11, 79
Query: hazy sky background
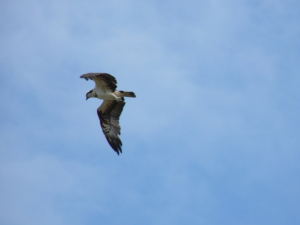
212, 137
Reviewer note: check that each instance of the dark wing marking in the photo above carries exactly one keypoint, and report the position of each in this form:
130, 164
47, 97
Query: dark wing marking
109, 113
104, 81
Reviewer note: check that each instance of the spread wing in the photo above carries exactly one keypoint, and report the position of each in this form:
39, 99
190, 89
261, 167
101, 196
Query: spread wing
109, 113
104, 81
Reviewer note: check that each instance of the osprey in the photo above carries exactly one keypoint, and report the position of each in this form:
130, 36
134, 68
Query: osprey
111, 108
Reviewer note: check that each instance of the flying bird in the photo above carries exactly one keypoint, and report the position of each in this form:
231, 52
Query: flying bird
111, 108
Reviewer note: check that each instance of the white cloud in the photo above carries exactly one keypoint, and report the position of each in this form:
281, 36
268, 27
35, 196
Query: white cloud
45, 189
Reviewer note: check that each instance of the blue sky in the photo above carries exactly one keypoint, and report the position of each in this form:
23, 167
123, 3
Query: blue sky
212, 137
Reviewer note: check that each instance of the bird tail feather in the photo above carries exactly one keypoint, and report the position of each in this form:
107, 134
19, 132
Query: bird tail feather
125, 94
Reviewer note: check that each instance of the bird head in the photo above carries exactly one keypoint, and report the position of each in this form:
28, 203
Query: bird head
90, 94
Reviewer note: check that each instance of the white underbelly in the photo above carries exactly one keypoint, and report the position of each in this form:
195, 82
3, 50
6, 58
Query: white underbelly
106, 95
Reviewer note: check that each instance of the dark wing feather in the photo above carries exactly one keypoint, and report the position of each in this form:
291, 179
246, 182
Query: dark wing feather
109, 113
103, 80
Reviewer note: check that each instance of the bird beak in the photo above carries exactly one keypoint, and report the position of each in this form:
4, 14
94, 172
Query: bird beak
86, 98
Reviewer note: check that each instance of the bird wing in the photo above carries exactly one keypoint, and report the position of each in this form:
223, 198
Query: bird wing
109, 113
104, 81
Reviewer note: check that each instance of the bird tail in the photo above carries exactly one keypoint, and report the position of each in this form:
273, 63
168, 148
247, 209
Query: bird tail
125, 94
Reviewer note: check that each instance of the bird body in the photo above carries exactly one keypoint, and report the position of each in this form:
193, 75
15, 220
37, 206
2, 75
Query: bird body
105, 95
110, 110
